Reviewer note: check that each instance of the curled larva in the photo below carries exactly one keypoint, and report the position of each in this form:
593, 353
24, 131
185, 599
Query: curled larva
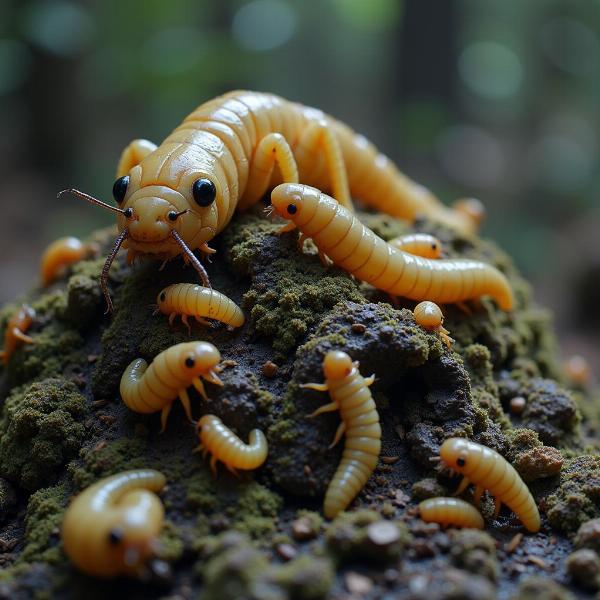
148, 389
429, 316
223, 445
16, 327
189, 300
339, 235
62, 253
419, 244
450, 511
486, 469
350, 394
112, 527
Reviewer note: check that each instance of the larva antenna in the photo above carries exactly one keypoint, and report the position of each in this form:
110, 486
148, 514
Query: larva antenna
192, 258
91, 200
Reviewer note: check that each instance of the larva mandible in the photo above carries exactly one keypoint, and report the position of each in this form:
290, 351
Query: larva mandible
174, 198
450, 511
16, 327
419, 244
111, 528
223, 445
350, 394
62, 253
338, 234
189, 300
487, 469
148, 389
429, 316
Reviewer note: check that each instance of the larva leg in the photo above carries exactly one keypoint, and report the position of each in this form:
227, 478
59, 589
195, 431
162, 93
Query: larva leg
213, 465
164, 415
172, 318
445, 336
477, 495
203, 321
301, 241
464, 484
213, 378
319, 137
133, 155
272, 149
369, 381
21, 336
497, 505
184, 318
232, 470
197, 383
185, 400
318, 387
338, 435
330, 407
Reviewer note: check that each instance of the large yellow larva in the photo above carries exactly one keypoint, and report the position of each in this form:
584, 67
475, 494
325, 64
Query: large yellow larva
189, 300
148, 389
486, 469
450, 511
16, 327
338, 234
111, 528
350, 394
219, 441
174, 198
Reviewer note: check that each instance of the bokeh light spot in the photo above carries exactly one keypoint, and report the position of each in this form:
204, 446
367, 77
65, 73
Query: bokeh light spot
490, 70
172, 51
370, 15
60, 27
263, 25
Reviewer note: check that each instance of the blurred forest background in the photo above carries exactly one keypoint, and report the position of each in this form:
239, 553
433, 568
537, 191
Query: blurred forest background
497, 99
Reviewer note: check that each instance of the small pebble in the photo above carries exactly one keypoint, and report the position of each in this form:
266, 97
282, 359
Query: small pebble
383, 533
357, 584
270, 369
578, 370
584, 567
517, 405
514, 543
302, 529
358, 328
286, 551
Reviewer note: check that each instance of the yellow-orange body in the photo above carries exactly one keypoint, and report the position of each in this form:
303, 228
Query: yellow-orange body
111, 528
429, 316
350, 394
487, 469
450, 511
189, 300
339, 235
149, 389
60, 254
219, 441
16, 327
419, 244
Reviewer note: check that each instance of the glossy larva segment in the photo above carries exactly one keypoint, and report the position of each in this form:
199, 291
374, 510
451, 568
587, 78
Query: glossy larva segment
429, 316
223, 445
450, 511
350, 394
486, 469
190, 300
16, 329
62, 253
149, 389
111, 528
363, 254
419, 244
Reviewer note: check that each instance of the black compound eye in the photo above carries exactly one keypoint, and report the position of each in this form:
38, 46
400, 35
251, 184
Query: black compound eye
172, 215
189, 362
128, 213
461, 462
434, 246
115, 537
120, 188
292, 209
204, 192
163, 297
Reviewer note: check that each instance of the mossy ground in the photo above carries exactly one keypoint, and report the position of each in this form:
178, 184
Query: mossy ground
63, 426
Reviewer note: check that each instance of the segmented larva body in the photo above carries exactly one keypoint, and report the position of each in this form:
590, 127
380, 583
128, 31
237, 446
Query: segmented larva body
148, 389
174, 198
486, 469
450, 511
223, 445
111, 528
419, 244
429, 316
350, 394
189, 300
338, 234
62, 253
16, 327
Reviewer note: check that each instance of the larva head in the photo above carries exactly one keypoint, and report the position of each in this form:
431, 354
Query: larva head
132, 536
337, 365
471, 208
454, 452
163, 300
293, 201
428, 315
198, 358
